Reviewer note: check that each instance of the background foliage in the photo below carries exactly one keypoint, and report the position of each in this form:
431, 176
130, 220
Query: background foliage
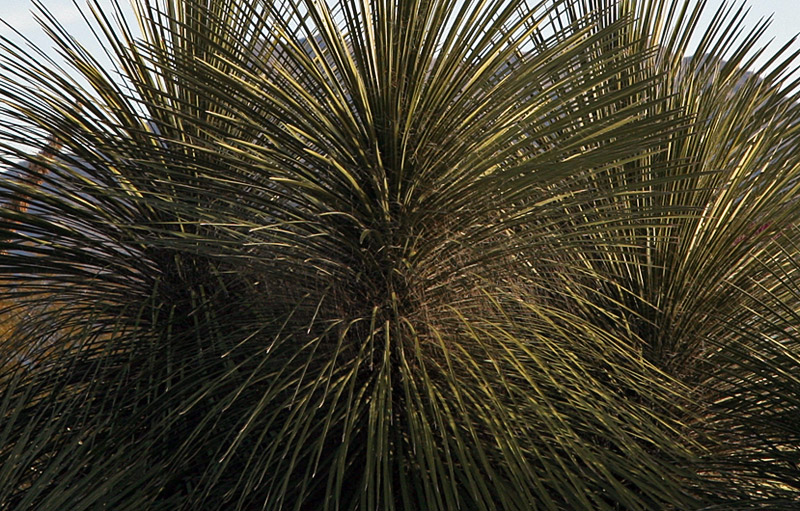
390, 255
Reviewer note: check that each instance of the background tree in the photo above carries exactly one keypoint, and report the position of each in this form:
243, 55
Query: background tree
402, 255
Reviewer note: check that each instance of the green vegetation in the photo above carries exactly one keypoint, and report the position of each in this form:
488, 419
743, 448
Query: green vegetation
414, 255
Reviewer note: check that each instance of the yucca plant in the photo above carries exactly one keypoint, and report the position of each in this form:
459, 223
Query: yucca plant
422, 255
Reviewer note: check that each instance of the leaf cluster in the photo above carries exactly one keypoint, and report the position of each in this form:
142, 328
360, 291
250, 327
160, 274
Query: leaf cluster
422, 254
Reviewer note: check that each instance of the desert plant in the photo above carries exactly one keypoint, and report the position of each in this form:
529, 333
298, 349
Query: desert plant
391, 255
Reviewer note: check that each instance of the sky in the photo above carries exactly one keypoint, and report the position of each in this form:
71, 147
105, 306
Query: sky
18, 13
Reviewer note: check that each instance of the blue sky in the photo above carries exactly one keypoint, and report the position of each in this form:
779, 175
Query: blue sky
18, 14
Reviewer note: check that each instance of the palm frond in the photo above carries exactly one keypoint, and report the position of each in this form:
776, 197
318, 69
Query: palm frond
399, 255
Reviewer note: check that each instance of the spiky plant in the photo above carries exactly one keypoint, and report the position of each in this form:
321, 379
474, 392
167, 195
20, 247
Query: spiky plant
421, 255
